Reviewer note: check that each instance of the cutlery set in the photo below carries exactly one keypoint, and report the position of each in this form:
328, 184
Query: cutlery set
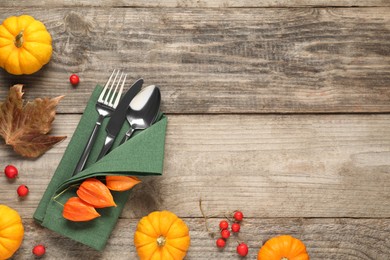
139, 107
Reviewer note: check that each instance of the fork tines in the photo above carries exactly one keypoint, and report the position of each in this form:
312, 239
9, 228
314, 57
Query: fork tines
112, 96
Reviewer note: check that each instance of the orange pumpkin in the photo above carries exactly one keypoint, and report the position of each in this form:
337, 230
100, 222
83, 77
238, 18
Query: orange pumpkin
25, 45
11, 231
283, 248
161, 235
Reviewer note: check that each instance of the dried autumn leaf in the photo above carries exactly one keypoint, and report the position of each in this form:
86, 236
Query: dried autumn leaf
76, 209
25, 127
121, 183
95, 193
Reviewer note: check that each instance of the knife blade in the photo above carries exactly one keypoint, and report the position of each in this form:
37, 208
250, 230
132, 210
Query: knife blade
118, 117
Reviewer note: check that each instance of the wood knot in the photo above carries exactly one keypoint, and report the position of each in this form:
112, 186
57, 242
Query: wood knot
76, 25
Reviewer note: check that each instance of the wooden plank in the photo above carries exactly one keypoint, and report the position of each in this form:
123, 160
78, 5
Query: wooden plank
267, 165
348, 239
196, 4
287, 60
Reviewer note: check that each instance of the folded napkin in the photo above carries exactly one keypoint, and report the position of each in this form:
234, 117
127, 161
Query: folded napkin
141, 155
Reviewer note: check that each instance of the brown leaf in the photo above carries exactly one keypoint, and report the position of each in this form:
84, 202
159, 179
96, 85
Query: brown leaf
25, 127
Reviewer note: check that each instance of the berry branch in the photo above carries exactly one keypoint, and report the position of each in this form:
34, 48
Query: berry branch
205, 219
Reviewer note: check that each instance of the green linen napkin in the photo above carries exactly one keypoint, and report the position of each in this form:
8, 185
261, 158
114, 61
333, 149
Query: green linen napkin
141, 155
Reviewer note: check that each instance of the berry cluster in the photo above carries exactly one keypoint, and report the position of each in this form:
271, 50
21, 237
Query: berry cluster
242, 248
11, 172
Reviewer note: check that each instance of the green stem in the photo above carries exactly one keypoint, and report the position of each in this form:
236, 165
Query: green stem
62, 192
58, 202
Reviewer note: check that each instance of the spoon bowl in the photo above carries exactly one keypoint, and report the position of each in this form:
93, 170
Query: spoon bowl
143, 110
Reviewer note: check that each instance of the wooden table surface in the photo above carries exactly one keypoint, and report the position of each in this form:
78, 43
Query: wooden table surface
279, 108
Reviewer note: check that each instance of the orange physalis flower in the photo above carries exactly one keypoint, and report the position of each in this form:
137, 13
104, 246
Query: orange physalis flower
121, 183
77, 210
95, 193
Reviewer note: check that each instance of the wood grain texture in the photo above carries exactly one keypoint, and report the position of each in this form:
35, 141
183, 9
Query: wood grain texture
347, 239
270, 166
195, 3
239, 60
226, 69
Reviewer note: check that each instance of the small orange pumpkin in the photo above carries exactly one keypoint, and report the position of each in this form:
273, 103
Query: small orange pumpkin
161, 235
11, 231
283, 248
25, 45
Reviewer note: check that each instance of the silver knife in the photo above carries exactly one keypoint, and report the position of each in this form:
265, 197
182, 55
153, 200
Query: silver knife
117, 119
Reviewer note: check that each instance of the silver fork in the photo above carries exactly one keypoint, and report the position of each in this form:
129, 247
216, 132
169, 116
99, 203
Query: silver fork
106, 104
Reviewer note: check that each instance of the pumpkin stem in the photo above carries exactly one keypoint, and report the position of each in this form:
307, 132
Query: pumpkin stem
284, 258
19, 39
161, 241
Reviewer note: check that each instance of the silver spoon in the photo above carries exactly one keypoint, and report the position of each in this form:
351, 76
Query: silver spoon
143, 110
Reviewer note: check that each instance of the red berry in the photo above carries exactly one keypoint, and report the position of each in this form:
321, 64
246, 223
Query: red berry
235, 227
225, 234
223, 224
238, 216
242, 249
221, 242
74, 79
22, 190
11, 171
39, 250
